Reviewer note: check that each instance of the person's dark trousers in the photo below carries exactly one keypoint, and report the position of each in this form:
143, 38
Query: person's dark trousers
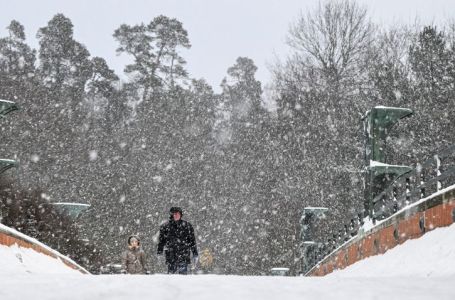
177, 268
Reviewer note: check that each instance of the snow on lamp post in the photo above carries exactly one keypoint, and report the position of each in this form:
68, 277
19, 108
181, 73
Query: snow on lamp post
377, 124
6, 107
71, 209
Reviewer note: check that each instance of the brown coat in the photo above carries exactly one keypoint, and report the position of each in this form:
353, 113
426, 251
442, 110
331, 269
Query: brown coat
133, 261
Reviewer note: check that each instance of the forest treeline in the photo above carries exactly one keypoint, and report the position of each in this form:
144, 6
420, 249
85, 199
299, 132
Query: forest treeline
243, 173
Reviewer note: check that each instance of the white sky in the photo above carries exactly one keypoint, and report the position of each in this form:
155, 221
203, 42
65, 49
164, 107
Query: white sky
219, 30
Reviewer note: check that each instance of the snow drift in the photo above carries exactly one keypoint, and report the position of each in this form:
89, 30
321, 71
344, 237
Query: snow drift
18, 256
19, 260
431, 255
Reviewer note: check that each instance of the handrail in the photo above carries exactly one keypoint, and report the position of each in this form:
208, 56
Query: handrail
405, 190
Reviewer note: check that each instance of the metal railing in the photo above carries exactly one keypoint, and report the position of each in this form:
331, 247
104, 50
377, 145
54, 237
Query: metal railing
433, 175
320, 250
425, 179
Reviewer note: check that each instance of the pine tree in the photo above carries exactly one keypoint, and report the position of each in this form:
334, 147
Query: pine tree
17, 64
154, 47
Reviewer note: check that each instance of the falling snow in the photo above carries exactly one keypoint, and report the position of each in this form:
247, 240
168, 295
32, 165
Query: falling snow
243, 161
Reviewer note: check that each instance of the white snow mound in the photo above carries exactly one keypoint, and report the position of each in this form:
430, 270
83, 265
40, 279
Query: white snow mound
17, 260
432, 255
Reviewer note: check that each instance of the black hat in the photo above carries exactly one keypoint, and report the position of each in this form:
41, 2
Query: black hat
173, 210
176, 209
136, 237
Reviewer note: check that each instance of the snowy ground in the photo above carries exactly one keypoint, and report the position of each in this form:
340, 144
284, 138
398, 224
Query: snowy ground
211, 287
418, 269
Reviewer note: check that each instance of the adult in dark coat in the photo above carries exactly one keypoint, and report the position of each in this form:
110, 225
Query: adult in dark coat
177, 241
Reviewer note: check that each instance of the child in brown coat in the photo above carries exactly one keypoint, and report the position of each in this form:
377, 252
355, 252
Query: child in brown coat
133, 259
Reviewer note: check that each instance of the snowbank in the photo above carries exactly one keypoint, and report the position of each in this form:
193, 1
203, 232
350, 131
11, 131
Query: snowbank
432, 255
18, 260
18, 251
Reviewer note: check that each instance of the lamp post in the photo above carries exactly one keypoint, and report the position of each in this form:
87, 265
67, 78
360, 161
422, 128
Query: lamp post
309, 245
6, 107
377, 124
71, 209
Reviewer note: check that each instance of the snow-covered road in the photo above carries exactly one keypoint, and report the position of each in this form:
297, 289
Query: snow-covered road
209, 287
419, 269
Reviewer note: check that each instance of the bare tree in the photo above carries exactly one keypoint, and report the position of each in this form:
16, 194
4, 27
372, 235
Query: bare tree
389, 68
334, 39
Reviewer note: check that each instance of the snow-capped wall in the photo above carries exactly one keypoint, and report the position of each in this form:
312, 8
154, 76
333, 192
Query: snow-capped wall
25, 254
15, 260
432, 255
437, 210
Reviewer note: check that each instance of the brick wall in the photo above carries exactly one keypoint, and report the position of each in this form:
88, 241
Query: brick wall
415, 221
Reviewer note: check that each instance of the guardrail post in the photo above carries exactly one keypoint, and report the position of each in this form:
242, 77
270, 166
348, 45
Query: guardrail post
438, 171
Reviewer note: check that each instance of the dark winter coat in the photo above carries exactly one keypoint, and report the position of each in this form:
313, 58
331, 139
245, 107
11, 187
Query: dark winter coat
133, 261
177, 240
